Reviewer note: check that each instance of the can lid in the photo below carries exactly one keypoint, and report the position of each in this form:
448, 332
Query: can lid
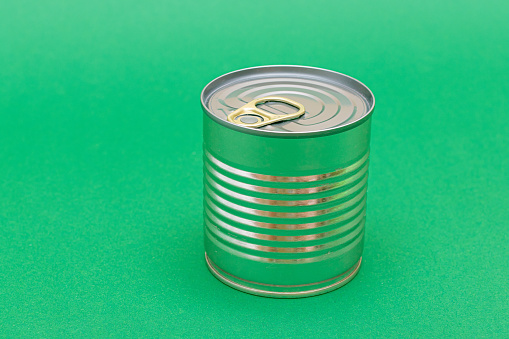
332, 101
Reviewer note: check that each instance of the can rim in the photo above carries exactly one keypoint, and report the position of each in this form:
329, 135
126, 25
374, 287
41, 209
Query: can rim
287, 134
249, 287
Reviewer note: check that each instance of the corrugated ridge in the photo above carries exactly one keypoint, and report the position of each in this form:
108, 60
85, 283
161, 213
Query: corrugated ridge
259, 218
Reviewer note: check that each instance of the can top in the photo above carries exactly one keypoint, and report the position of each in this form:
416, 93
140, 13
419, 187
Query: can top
332, 101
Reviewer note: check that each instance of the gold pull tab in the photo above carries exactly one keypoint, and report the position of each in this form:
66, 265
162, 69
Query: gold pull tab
262, 117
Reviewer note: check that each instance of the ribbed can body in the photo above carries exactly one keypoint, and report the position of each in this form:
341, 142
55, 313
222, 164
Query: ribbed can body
284, 217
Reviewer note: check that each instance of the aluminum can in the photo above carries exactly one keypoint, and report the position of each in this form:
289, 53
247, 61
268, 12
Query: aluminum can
286, 151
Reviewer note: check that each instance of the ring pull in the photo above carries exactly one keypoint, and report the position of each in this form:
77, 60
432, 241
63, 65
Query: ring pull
251, 116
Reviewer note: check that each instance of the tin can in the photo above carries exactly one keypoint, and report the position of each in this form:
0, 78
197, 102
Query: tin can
286, 152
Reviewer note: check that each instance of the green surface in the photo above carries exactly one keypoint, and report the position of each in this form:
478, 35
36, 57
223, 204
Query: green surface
100, 166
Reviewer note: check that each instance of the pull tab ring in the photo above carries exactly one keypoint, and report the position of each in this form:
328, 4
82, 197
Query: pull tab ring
262, 117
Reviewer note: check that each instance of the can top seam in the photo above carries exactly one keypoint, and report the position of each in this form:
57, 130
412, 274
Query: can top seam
321, 76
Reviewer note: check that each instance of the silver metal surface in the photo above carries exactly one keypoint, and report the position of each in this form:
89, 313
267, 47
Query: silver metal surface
292, 238
285, 202
332, 100
299, 291
300, 226
276, 178
357, 193
352, 240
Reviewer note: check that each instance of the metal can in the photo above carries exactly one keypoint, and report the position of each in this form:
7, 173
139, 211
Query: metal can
286, 152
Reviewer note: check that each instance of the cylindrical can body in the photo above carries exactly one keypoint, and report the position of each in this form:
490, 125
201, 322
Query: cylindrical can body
284, 214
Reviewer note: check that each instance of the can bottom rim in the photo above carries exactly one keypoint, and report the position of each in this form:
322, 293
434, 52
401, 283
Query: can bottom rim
279, 291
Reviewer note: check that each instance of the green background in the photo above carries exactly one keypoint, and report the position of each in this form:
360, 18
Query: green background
101, 178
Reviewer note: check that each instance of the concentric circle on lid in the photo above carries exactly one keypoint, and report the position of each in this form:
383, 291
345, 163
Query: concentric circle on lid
333, 101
